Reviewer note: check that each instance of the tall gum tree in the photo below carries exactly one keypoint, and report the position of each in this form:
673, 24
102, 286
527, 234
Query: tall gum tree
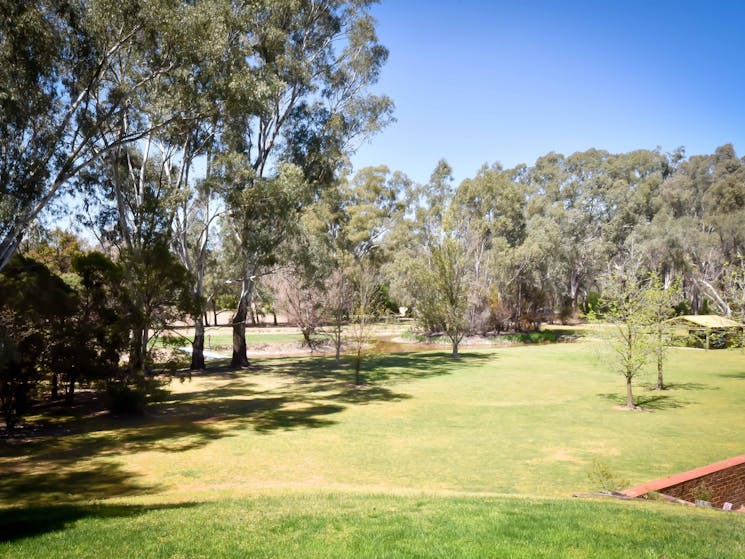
70, 73
301, 77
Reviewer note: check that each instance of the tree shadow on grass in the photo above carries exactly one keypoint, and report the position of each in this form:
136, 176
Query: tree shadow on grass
683, 386
19, 523
657, 401
89, 481
740, 375
389, 368
60, 459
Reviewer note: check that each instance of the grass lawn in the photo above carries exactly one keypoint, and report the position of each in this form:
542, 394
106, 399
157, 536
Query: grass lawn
223, 337
349, 525
432, 457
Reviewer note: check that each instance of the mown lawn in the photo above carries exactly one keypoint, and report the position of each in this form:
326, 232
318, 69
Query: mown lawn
289, 456
350, 525
223, 338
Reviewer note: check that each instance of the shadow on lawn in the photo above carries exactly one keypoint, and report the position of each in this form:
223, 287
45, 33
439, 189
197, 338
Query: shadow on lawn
17, 523
61, 460
656, 401
37, 484
740, 375
687, 386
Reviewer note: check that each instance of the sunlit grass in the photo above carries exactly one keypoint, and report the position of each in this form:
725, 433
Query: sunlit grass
349, 525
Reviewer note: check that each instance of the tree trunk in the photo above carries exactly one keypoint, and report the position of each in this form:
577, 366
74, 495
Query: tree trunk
629, 395
55, 386
274, 314
574, 293
455, 349
337, 344
357, 365
660, 382
240, 357
135, 351
70, 395
138, 351
197, 346
145, 341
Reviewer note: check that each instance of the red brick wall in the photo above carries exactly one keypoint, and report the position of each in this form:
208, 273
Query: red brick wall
726, 485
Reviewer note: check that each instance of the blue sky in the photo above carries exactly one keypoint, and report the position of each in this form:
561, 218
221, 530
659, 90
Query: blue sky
480, 82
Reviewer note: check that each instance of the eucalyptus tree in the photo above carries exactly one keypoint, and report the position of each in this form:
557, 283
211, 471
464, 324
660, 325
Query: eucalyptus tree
260, 220
198, 92
421, 225
133, 212
569, 195
734, 290
704, 206
489, 210
431, 201
299, 102
70, 74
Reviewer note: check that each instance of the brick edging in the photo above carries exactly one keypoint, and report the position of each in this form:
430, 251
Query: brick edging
656, 485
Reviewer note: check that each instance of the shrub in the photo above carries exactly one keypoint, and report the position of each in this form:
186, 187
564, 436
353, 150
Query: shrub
601, 476
126, 399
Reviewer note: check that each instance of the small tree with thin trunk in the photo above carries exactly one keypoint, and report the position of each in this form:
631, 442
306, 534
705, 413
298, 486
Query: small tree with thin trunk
625, 300
302, 301
366, 306
338, 302
659, 301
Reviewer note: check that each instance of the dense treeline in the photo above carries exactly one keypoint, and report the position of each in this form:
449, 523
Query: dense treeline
509, 249
535, 240
205, 145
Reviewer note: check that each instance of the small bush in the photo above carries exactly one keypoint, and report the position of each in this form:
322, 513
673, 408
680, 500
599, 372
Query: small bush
702, 492
540, 336
601, 476
126, 399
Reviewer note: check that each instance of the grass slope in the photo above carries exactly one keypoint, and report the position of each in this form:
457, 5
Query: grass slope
290, 458
373, 526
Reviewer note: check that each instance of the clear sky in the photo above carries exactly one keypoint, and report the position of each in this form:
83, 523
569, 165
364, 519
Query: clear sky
478, 81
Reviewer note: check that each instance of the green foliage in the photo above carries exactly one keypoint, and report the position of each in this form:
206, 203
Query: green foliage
226, 301
442, 296
56, 333
702, 492
159, 291
625, 296
539, 336
602, 477
126, 399
34, 307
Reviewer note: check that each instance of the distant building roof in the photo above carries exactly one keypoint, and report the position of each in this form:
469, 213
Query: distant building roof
707, 321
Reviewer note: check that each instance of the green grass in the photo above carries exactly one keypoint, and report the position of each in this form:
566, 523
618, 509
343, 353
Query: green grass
548, 334
434, 445
348, 525
223, 338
